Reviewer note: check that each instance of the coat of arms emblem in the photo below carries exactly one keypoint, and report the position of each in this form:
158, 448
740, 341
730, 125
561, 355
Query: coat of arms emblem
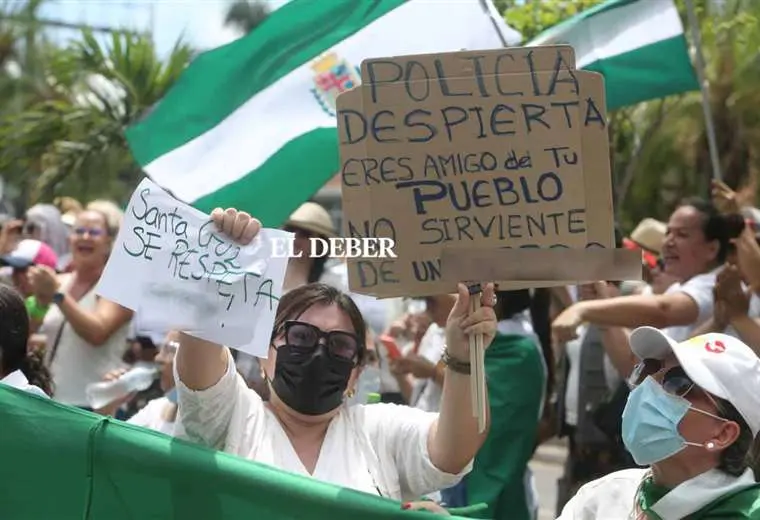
332, 76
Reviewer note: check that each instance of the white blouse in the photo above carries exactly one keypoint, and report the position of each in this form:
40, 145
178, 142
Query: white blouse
152, 417
378, 448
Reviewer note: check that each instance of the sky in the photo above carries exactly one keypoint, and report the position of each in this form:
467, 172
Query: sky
199, 22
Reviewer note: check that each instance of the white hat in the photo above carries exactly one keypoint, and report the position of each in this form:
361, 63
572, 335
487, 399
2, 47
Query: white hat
719, 364
312, 217
650, 235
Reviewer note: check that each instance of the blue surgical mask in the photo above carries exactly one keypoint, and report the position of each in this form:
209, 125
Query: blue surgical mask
650, 423
171, 395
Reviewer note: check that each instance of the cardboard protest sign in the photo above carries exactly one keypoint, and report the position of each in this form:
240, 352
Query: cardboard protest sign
474, 150
170, 264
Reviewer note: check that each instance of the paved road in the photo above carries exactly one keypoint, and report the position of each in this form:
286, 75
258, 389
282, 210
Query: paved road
547, 468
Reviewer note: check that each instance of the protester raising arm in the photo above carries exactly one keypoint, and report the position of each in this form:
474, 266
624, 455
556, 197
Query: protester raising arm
748, 257
91, 243
95, 326
660, 311
731, 296
696, 245
200, 363
454, 439
317, 350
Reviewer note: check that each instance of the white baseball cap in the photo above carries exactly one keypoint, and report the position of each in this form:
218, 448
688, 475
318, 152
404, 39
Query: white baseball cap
719, 364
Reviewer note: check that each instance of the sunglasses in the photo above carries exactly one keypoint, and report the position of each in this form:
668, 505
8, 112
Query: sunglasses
675, 381
93, 232
340, 345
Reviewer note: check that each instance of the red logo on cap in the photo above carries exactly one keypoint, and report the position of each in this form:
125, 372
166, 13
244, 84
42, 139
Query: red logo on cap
716, 347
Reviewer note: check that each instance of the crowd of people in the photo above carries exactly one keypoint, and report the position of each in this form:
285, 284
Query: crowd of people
655, 384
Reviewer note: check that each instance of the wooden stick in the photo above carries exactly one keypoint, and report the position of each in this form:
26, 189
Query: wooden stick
477, 365
473, 364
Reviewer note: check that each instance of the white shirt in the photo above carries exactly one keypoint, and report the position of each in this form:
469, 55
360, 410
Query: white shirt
426, 393
18, 380
152, 417
77, 363
376, 448
700, 289
613, 496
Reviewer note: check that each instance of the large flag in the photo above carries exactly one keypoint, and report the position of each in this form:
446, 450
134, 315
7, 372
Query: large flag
638, 45
62, 463
252, 124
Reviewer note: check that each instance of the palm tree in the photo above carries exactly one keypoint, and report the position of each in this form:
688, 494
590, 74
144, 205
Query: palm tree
72, 142
245, 15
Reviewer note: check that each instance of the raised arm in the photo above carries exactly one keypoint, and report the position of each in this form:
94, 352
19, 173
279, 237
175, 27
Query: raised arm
454, 439
659, 311
200, 363
95, 326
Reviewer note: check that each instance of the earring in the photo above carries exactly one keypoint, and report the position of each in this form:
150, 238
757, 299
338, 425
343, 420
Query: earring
710, 445
350, 393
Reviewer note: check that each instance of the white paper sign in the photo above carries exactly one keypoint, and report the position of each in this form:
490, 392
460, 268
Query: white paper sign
171, 264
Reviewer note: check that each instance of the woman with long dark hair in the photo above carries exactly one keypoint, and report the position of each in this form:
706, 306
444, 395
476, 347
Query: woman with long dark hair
19, 368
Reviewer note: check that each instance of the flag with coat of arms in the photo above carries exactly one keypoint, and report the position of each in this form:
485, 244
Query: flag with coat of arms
252, 124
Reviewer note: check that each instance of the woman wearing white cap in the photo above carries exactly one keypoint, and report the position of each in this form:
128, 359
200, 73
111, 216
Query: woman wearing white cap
692, 418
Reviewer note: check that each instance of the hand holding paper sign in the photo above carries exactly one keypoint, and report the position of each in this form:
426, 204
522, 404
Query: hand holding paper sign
213, 278
237, 225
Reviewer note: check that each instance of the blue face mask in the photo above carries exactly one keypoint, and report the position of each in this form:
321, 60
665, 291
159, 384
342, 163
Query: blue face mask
171, 395
650, 423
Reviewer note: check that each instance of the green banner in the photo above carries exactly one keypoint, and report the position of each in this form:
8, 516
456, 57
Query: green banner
62, 463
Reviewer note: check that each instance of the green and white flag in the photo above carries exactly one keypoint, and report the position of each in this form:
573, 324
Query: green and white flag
252, 124
638, 45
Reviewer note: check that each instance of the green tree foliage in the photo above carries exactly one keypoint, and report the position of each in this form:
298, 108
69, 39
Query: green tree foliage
246, 15
531, 18
659, 151
69, 138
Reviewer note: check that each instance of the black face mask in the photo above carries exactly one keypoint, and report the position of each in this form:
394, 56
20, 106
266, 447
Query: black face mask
309, 380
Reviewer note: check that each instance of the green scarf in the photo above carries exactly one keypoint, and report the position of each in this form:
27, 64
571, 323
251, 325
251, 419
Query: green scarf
737, 505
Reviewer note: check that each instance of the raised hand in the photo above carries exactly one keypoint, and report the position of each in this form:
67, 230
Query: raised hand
462, 323
730, 294
237, 225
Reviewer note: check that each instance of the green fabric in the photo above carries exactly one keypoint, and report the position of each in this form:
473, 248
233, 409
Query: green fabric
660, 70
744, 504
515, 378
293, 35
62, 463
245, 194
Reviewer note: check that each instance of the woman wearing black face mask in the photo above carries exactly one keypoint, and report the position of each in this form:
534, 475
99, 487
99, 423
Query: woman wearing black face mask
315, 359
